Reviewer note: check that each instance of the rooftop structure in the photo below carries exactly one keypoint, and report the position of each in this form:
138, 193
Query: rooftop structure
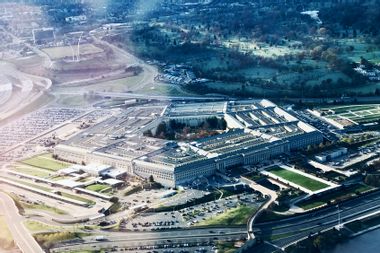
257, 130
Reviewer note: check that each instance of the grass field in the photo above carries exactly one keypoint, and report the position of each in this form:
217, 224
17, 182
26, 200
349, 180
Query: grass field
39, 226
76, 197
360, 225
6, 238
98, 187
235, 216
39, 206
49, 239
362, 48
356, 113
333, 196
46, 162
226, 247
47, 189
31, 184
306, 182
33, 171
56, 53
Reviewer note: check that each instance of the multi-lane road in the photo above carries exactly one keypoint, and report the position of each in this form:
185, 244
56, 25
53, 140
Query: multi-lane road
137, 239
143, 96
286, 231
281, 232
22, 237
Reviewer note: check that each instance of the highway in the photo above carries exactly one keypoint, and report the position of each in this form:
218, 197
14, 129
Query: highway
144, 96
21, 235
286, 231
136, 239
373, 99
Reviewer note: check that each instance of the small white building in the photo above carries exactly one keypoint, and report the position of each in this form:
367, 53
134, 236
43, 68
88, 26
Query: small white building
328, 155
95, 169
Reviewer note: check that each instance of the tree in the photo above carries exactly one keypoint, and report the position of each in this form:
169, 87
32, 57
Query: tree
114, 200
148, 133
151, 179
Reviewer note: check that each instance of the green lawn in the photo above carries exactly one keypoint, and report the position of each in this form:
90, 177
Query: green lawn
39, 226
66, 51
366, 223
44, 208
226, 247
43, 188
334, 196
306, 182
40, 206
364, 113
30, 184
235, 216
98, 187
312, 204
46, 163
32, 171
58, 178
47, 240
76, 197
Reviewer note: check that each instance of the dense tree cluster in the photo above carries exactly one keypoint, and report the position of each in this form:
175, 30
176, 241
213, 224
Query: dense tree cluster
174, 130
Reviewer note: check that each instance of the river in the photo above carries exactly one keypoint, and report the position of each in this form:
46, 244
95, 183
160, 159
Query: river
368, 243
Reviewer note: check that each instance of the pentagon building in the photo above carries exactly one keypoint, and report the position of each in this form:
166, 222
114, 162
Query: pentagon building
257, 130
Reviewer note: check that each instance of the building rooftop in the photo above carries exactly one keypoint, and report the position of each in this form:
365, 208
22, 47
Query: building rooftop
252, 125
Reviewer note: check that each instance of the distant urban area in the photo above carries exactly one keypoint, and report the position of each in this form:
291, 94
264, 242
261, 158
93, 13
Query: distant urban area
180, 126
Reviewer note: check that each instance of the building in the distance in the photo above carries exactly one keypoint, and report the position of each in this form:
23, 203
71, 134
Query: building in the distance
43, 35
257, 130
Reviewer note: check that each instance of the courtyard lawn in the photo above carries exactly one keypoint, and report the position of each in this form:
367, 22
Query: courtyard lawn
45, 162
235, 216
97, 187
301, 180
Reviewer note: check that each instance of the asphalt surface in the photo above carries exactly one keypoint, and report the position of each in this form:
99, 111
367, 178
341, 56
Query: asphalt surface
286, 231
169, 238
21, 235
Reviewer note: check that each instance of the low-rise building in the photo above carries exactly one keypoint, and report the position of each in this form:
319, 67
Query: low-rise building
257, 130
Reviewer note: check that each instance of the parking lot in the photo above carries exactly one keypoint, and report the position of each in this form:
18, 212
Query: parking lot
328, 130
155, 221
195, 214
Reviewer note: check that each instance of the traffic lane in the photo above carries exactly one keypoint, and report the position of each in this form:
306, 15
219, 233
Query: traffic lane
348, 214
191, 231
210, 232
128, 243
361, 203
21, 235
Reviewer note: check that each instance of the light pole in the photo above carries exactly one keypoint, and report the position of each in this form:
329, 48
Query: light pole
339, 226
78, 56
